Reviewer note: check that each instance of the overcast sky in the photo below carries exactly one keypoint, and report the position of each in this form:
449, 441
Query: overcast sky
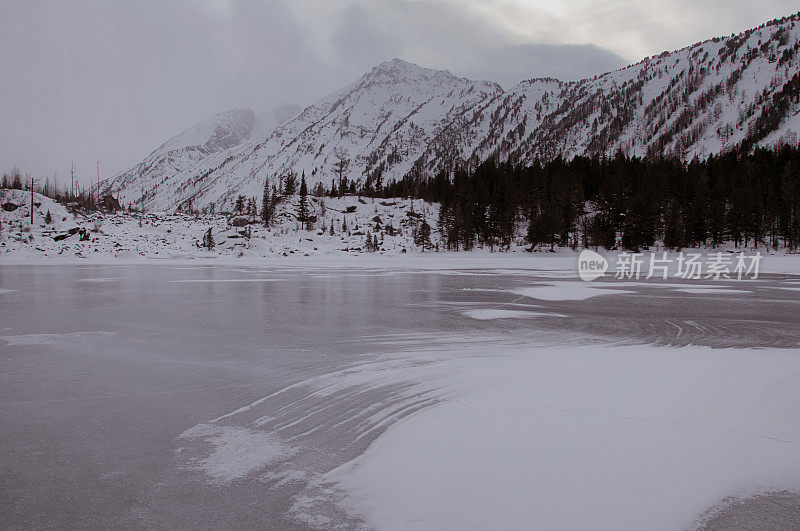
111, 80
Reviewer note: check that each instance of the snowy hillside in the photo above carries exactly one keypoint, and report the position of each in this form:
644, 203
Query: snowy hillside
697, 101
399, 118
342, 227
15, 211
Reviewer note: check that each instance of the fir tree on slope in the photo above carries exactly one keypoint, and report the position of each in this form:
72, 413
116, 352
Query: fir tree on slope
266, 205
290, 184
208, 240
239, 207
302, 205
422, 235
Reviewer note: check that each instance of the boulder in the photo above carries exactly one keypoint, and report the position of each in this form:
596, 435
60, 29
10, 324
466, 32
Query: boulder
240, 221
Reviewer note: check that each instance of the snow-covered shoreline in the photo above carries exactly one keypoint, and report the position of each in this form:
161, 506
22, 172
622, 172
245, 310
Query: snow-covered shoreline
564, 261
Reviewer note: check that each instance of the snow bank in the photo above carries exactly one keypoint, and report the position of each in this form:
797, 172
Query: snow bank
585, 438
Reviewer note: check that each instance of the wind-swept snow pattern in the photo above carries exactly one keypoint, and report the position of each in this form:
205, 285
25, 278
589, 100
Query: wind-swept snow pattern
584, 438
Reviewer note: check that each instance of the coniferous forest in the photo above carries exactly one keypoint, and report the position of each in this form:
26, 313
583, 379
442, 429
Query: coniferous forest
738, 197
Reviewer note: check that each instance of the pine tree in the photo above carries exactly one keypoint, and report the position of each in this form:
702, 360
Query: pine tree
48, 219
266, 205
302, 206
208, 240
422, 235
239, 207
290, 184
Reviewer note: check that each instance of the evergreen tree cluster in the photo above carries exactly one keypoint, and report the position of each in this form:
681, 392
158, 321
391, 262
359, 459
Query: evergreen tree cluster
738, 197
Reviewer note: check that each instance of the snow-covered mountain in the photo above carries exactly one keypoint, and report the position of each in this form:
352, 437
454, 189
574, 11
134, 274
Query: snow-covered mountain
399, 118
381, 124
697, 101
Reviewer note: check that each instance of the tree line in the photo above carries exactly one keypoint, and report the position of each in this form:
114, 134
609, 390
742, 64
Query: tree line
741, 197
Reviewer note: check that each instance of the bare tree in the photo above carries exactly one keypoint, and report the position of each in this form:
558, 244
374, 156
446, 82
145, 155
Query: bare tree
340, 166
72, 179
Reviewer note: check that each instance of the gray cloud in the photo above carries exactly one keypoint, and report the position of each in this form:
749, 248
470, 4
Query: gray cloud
509, 65
448, 36
112, 80
360, 39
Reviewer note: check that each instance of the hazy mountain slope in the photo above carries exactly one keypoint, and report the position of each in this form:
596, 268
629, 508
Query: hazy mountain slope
495, 127
140, 184
267, 122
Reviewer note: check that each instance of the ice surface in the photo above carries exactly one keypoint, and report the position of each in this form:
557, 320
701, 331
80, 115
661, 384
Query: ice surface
153, 402
236, 452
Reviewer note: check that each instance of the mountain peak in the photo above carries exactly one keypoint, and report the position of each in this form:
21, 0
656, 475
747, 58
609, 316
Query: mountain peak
399, 70
396, 63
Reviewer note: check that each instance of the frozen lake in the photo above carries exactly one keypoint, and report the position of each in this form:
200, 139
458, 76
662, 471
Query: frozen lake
149, 396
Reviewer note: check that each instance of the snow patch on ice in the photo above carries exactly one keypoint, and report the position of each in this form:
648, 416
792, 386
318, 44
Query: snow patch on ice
209, 280
584, 438
235, 451
494, 313
720, 290
567, 291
